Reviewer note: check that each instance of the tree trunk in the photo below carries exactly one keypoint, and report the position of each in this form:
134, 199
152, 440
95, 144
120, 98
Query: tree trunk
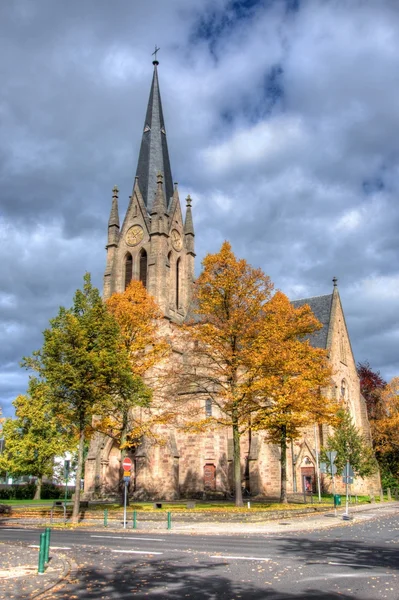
38, 490
79, 468
237, 463
283, 492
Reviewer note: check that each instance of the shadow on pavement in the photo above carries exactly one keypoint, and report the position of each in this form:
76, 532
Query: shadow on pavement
170, 580
352, 553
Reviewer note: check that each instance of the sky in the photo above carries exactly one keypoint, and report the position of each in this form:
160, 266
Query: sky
282, 122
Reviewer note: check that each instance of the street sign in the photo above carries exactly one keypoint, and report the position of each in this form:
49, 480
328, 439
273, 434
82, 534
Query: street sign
331, 456
347, 480
126, 474
127, 464
348, 471
323, 467
126, 478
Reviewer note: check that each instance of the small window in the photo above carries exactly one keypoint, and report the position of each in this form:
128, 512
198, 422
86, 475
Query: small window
208, 407
177, 283
128, 269
143, 267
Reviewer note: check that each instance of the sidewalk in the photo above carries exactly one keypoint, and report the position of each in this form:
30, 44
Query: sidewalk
18, 570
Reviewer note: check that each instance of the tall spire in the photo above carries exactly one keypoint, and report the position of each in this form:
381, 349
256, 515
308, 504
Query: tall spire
154, 155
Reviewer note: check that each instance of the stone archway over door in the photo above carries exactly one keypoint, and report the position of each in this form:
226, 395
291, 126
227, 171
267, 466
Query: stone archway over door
209, 477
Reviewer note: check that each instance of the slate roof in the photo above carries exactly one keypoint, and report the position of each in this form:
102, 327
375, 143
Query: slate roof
154, 155
321, 307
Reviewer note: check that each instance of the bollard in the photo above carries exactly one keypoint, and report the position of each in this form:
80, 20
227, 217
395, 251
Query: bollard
134, 519
169, 520
42, 552
47, 532
105, 517
249, 504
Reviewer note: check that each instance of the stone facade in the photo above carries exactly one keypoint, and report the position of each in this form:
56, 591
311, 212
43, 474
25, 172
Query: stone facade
156, 246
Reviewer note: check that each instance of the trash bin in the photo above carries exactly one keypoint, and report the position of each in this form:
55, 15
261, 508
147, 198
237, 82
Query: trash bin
337, 500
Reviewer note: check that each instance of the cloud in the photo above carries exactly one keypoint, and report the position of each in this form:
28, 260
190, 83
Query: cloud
282, 125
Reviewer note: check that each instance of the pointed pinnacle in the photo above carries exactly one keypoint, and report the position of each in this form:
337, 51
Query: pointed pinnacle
114, 215
159, 202
188, 223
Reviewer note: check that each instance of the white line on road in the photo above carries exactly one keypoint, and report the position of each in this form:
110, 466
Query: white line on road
241, 557
124, 537
136, 552
51, 547
353, 575
344, 564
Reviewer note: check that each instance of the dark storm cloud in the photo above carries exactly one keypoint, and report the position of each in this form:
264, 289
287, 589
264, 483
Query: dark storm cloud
282, 125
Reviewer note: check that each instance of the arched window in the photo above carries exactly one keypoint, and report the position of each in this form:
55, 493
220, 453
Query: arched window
343, 389
208, 407
143, 267
177, 283
128, 269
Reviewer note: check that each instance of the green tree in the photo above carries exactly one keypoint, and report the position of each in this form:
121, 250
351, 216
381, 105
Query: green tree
84, 364
350, 446
34, 437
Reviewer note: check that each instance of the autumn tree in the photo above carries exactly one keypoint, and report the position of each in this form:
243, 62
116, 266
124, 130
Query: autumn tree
84, 365
137, 315
34, 437
350, 446
291, 377
228, 304
386, 433
371, 386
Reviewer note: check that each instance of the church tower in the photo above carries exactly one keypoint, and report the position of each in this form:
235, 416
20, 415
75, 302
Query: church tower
154, 244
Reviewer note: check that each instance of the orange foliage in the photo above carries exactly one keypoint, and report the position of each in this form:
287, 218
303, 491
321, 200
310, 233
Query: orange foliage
137, 313
386, 427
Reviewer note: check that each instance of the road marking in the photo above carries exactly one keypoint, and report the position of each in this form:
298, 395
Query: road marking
124, 537
353, 575
136, 551
343, 564
52, 547
241, 557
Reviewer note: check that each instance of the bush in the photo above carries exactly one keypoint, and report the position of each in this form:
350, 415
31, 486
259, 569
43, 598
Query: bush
50, 491
18, 492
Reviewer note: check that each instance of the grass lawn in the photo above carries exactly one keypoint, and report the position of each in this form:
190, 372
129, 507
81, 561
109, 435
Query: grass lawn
212, 506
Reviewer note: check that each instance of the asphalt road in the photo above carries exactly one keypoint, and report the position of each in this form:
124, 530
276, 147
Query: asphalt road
358, 561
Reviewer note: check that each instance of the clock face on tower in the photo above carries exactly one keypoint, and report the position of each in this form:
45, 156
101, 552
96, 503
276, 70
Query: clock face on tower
134, 235
177, 242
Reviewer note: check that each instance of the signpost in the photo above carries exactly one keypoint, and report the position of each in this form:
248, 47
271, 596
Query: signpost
347, 478
67, 466
332, 469
127, 469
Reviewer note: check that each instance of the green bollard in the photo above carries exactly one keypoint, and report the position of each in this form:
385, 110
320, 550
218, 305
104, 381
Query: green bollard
47, 532
134, 519
42, 552
105, 517
169, 520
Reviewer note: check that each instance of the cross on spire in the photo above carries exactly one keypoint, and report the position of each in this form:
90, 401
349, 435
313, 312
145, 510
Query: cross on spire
155, 61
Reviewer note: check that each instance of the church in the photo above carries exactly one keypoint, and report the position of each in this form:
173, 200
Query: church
155, 245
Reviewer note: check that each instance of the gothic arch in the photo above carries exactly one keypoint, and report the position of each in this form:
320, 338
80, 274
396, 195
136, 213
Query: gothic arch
143, 267
128, 269
178, 282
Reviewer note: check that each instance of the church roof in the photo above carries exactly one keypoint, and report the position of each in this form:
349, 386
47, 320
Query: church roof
321, 307
154, 155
